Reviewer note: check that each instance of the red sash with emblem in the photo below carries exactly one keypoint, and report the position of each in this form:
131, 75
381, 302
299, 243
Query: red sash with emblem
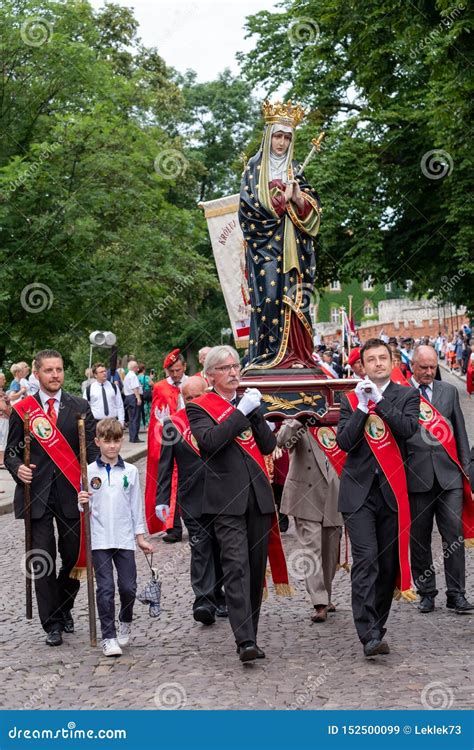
440, 429
53, 442
219, 409
326, 439
387, 454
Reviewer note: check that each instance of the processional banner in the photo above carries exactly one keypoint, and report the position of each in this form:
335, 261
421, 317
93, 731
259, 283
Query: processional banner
229, 254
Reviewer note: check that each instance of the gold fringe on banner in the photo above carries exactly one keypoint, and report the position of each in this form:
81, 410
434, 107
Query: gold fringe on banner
284, 589
408, 595
79, 574
469, 543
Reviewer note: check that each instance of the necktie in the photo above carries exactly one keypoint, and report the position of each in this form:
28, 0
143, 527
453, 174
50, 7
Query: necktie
424, 392
104, 399
51, 412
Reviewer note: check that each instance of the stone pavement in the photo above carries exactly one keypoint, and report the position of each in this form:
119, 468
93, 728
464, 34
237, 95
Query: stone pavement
173, 662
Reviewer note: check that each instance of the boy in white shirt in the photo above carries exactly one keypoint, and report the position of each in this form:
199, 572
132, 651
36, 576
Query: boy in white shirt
117, 523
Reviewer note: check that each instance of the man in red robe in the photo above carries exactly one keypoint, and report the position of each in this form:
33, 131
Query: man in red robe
166, 400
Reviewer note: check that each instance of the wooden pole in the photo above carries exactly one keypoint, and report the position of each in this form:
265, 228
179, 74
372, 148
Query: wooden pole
27, 514
87, 529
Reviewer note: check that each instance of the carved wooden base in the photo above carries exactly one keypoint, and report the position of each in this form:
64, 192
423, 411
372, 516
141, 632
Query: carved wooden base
297, 392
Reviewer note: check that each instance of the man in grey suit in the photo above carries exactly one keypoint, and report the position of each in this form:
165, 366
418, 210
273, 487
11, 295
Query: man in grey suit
310, 496
435, 487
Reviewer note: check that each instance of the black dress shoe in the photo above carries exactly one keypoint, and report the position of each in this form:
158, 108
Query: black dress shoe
137, 441
204, 615
260, 652
426, 604
222, 611
283, 522
171, 538
247, 651
374, 647
68, 623
54, 637
460, 604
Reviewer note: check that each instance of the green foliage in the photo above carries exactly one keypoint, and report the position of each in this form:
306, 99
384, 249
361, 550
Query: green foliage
389, 83
102, 160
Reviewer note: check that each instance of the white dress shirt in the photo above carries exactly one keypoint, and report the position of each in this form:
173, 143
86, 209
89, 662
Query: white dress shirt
179, 385
33, 385
130, 382
114, 401
45, 398
429, 389
116, 508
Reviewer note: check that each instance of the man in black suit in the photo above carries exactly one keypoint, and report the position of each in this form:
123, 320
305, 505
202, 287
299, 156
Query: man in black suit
435, 487
237, 492
206, 571
52, 496
366, 499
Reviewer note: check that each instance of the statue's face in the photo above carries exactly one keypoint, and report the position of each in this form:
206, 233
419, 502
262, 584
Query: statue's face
280, 142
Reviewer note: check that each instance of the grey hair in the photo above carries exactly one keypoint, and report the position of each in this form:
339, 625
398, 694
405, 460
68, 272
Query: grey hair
217, 355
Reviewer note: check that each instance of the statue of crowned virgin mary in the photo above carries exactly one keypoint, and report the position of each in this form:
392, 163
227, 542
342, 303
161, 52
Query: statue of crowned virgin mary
279, 214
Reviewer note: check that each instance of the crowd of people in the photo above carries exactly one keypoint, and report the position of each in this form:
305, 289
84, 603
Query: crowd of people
235, 479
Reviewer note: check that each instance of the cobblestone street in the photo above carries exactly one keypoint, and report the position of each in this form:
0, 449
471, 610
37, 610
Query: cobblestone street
173, 662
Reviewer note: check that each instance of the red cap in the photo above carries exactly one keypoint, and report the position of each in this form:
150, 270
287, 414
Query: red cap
171, 358
353, 356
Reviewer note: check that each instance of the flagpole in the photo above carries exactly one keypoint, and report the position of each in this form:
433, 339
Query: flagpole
349, 336
343, 353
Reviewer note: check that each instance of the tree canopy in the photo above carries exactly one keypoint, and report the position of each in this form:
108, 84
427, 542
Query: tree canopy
106, 151
390, 84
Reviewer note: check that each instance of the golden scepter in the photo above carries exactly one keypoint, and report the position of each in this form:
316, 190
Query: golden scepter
316, 148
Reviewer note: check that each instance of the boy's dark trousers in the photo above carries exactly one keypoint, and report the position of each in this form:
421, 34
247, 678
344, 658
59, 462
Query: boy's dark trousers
124, 561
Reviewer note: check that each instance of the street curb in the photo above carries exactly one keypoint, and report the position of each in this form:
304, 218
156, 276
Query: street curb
6, 506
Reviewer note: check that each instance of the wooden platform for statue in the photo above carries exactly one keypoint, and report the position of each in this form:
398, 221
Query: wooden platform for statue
297, 392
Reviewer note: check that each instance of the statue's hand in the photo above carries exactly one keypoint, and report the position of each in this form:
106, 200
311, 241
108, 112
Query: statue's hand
289, 191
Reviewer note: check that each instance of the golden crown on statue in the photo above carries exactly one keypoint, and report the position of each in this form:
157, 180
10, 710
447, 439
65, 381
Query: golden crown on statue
284, 114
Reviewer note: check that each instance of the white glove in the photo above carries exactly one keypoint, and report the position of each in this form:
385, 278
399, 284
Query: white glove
372, 391
362, 395
162, 512
250, 401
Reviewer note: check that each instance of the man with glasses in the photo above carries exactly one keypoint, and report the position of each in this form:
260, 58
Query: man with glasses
233, 437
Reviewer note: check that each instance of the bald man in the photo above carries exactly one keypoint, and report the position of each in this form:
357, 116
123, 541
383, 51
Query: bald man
435, 487
206, 571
